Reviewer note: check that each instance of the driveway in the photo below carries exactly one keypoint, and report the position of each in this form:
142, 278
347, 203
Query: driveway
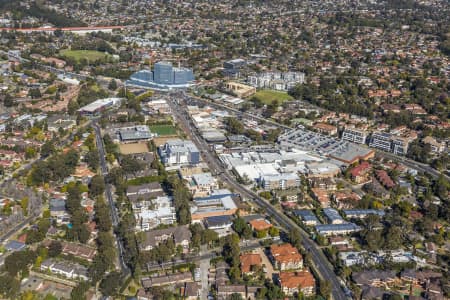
266, 262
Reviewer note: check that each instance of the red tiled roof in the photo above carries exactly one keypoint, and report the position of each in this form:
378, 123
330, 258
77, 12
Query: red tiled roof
249, 260
362, 168
302, 279
260, 224
285, 253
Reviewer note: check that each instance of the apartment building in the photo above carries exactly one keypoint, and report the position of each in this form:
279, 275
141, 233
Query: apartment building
397, 141
381, 140
286, 257
280, 181
354, 135
295, 282
153, 212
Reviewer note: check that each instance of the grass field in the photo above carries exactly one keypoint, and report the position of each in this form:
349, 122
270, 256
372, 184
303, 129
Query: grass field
267, 96
90, 55
162, 130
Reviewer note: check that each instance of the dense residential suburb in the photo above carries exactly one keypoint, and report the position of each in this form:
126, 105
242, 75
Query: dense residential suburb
241, 149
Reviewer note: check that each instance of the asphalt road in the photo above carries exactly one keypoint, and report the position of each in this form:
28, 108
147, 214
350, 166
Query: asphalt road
321, 264
109, 198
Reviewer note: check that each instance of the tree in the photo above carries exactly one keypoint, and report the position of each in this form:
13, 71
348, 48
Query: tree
234, 126
394, 237
9, 286
208, 236
92, 159
274, 232
97, 186
8, 101
83, 234
295, 238
102, 216
373, 239
231, 252
19, 261
112, 85
109, 286
130, 164
236, 296
325, 288
54, 249
241, 227
79, 292
47, 149
34, 93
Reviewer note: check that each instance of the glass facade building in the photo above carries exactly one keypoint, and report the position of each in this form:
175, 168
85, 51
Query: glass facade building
164, 76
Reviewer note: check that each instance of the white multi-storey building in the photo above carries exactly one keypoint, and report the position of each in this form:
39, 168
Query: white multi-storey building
179, 152
151, 213
277, 80
354, 135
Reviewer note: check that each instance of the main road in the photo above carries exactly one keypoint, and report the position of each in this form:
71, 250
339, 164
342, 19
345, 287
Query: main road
320, 263
108, 192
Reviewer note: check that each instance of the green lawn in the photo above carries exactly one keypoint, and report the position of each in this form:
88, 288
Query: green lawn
267, 96
162, 130
90, 55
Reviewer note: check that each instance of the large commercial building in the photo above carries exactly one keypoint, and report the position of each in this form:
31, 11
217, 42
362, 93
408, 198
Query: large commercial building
280, 181
163, 77
134, 134
98, 106
306, 140
239, 89
233, 67
219, 203
179, 152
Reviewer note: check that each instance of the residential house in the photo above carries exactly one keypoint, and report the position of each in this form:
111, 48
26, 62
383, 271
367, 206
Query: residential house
337, 229
190, 291
325, 128
385, 179
202, 184
148, 282
181, 235
321, 196
327, 184
65, 268
77, 250
359, 174
249, 262
260, 225
225, 291
307, 216
333, 216
375, 278
61, 122
436, 147
144, 191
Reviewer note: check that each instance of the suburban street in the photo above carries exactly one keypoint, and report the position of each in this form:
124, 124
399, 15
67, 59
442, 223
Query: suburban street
108, 193
321, 264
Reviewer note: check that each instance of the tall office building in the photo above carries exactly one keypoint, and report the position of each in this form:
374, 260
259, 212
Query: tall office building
163, 73
163, 77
